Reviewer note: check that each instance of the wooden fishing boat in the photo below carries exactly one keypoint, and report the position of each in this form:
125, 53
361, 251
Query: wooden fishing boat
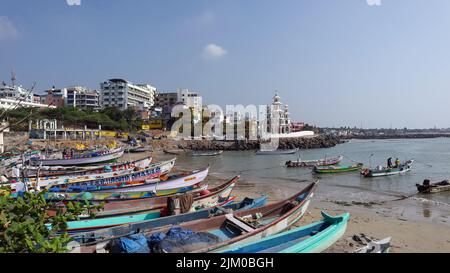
312, 163
99, 197
21, 158
129, 203
277, 152
384, 171
206, 153
124, 212
83, 159
43, 182
174, 152
242, 227
160, 189
139, 149
146, 176
89, 240
312, 238
428, 187
381, 246
338, 169
52, 171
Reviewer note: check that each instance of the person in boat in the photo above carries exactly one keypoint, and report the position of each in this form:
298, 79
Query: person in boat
397, 162
389, 162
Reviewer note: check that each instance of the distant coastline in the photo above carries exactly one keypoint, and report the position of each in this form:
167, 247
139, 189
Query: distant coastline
398, 136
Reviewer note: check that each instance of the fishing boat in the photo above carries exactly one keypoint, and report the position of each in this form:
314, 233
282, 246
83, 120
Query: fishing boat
381, 246
42, 182
245, 226
139, 149
160, 189
83, 159
174, 152
385, 171
313, 238
338, 169
164, 183
277, 152
206, 153
137, 177
102, 236
428, 187
21, 158
52, 171
125, 212
312, 163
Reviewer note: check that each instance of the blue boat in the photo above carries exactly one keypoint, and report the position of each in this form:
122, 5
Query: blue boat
313, 238
88, 240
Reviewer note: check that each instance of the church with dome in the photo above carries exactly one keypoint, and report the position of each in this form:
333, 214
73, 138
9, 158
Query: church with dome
277, 109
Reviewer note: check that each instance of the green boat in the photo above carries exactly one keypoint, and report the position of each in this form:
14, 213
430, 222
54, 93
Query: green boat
313, 238
93, 224
338, 169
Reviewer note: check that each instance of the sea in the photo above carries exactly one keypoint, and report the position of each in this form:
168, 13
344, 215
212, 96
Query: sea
431, 161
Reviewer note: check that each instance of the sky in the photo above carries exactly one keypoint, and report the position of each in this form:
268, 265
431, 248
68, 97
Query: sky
369, 63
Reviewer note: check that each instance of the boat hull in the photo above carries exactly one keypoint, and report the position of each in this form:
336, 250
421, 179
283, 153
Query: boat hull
313, 238
78, 161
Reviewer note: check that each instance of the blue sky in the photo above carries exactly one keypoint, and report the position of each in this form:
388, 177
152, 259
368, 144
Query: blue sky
335, 62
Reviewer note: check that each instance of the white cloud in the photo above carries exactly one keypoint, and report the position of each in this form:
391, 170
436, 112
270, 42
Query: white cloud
7, 30
213, 51
374, 2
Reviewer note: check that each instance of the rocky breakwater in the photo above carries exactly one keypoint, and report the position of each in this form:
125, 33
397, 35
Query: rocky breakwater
314, 142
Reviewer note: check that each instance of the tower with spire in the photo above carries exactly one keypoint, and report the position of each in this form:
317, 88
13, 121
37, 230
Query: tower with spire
277, 109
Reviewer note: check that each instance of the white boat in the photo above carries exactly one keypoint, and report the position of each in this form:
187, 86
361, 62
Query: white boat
154, 171
85, 159
381, 246
383, 171
174, 181
277, 152
45, 181
206, 153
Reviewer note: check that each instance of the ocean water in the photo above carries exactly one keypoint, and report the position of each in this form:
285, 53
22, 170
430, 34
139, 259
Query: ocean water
432, 161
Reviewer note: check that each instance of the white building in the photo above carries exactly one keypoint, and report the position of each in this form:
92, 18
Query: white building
15, 92
82, 97
123, 94
189, 98
282, 112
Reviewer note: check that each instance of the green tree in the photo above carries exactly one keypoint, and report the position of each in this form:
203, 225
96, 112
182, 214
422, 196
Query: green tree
27, 227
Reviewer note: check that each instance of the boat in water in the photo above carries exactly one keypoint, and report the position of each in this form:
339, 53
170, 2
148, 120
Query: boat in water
428, 187
313, 163
206, 153
277, 152
386, 171
138, 149
338, 169
312, 238
82, 159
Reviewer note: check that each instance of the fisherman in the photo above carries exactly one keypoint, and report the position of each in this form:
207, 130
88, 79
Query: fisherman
397, 162
389, 162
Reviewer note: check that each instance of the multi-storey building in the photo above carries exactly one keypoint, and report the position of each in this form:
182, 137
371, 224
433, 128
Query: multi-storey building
81, 97
166, 101
123, 94
190, 99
